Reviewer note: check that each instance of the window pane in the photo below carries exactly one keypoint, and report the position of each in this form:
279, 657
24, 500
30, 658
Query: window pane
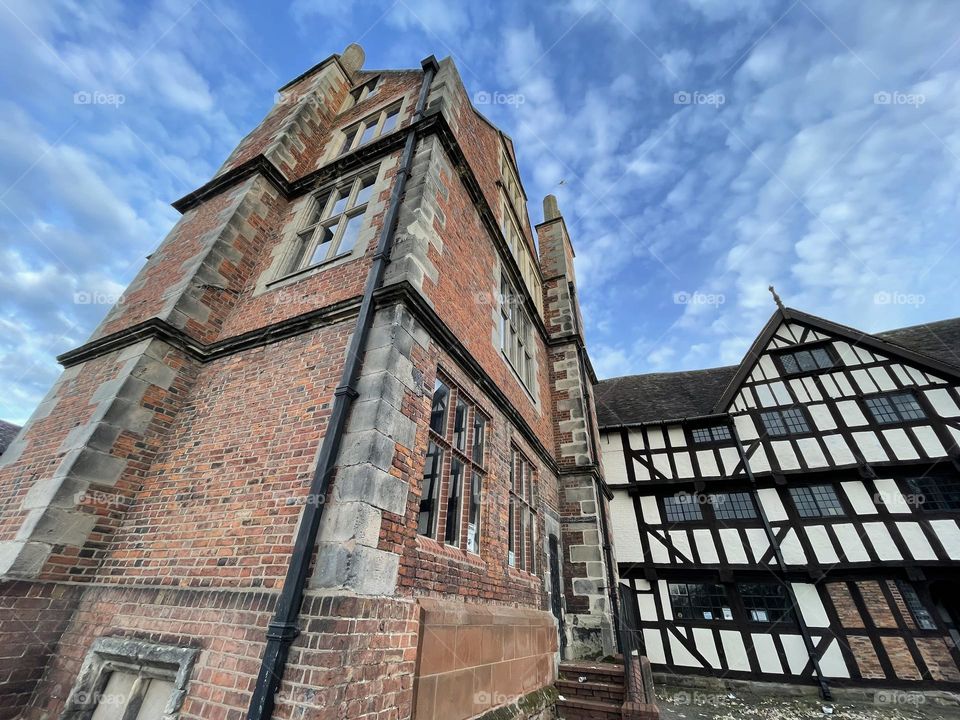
701, 435
822, 358
348, 140
511, 537
917, 609
113, 700
908, 407
473, 515
733, 506
816, 501
721, 432
323, 246
341, 202
390, 122
479, 429
699, 601
682, 507
454, 497
790, 363
438, 411
319, 204
460, 426
882, 410
426, 523
368, 132
350, 234
365, 191
155, 700
936, 492
773, 423
766, 602
795, 421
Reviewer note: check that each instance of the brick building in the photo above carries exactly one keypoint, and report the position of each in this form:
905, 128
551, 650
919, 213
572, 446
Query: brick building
338, 431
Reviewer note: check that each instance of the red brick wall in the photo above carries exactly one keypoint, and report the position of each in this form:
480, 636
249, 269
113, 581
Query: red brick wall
354, 659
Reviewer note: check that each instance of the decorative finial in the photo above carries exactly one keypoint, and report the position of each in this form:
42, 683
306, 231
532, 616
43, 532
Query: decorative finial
776, 298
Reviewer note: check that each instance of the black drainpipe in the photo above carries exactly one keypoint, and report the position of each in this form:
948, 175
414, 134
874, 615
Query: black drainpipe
782, 565
283, 628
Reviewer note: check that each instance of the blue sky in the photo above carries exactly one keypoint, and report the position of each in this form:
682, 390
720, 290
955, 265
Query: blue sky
700, 149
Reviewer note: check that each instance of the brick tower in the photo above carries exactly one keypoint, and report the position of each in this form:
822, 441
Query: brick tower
332, 454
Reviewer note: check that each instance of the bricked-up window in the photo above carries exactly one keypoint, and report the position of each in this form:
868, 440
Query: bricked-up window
936, 492
682, 507
453, 471
805, 360
367, 89
816, 501
515, 332
710, 434
369, 128
521, 516
699, 601
789, 421
894, 408
766, 602
921, 615
733, 506
334, 223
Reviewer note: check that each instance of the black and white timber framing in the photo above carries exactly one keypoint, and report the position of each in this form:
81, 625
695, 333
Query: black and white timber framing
863, 513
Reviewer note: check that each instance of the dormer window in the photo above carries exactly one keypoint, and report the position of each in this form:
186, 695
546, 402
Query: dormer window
367, 89
370, 128
710, 434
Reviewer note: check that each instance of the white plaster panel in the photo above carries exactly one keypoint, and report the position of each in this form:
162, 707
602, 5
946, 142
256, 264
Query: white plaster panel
882, 379
661, 463
843, 384
796, 653
850, 543
822, 416
764, 396
681, 541
626, 533
942, 403
783, 449
881, 540
758, 542
949, 536
636, 440
758, 461
730, 457
653, 644
767, 655
859, 497
733, 547
822, 545
830, 386
650, 510
812, 390
846, 353
768, 368
902, 375
916, 541
745, 428
870, 447
707, 646
838, 449
918, 377
677, 437
791, 549
928, 440
851, 413
772, 504
811, 605
614, 465
865, 355
655, 438
800, 390
734, 650
780, 393
706, 548
832, 663
640, 471
684, 466
900, 444
890, 495
647, 605
665, 599
812, 453
681, 656
658, 551
708, 463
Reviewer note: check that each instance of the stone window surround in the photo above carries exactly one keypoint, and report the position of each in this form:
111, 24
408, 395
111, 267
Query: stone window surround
108, 654
335, 141
276, 275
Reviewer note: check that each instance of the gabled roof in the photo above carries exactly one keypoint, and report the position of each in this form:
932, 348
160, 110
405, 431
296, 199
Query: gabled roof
8, 431
657, 397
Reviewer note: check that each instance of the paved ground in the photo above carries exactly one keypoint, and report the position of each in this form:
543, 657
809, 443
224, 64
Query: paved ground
688, 703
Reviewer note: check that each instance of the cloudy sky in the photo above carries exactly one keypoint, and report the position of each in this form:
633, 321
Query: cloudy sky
701, 150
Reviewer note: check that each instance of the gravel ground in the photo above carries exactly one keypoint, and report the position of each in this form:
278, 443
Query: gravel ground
677, 703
